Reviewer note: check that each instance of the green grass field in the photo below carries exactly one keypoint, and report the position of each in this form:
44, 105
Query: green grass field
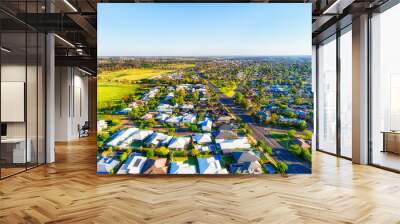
110, 92
134, 74
228, 89
282, 138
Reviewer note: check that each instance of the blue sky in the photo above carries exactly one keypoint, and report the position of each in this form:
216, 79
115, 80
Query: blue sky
152, 29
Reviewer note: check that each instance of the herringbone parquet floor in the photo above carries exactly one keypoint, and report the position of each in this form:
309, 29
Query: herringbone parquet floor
69, 191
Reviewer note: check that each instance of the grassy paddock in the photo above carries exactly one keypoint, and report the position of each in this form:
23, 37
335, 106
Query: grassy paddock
111, 92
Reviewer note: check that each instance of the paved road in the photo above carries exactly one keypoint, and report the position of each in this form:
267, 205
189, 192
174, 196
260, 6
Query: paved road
295, 164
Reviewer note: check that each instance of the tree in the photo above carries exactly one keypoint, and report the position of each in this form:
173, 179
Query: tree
162, 151
171, 131
307, 134
281, 167
239, 97
123, 156
295, 149
291, 133
193, 128
195, 96
274, 118
150, 153
268, 149
195, 152
303, 125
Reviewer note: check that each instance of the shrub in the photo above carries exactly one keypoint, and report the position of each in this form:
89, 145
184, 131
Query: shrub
123, 156
307, 154
162, 151
295, 149
150, 153
268, 150
308, 134
291, 133
281, 167
195, 152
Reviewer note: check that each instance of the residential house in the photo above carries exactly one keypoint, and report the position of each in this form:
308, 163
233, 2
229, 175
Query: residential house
121, 136
224, 120
187, 107
228, 146
174, 120
246, 156
228, 127
207, 148
136, 165
179, 143
141, 135
156, 139
201, 138
124, 111
206, 125
162, 117
211, 165
165, 108
124, 167
106, 165
246, 168
155, 166
148, 116
189, 118
181, 168
225, 135
101, 125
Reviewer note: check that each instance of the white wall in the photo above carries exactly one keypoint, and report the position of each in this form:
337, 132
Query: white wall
71, 102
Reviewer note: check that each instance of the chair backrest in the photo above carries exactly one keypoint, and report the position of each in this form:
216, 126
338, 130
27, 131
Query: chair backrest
86, 125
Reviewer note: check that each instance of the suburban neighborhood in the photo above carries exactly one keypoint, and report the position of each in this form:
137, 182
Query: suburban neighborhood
205, 116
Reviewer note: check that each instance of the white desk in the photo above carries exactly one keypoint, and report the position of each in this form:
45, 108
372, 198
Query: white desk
18, 149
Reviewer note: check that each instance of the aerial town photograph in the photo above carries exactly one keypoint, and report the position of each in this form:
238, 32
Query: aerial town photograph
215, 110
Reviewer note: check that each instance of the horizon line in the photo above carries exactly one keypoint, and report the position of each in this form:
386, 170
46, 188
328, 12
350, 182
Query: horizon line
187, 56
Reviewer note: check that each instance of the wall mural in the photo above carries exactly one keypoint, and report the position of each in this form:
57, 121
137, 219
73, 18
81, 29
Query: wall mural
204, 89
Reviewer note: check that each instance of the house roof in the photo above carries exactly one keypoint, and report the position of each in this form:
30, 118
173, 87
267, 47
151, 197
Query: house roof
210, 165
174, 119
202, 138
228, 135
246, 167
181, 168
179, 142
136, 165
239, 143
140, 135
156, 138
246, 156
228, 127
105, 165
121, 136
124, 168
155, 166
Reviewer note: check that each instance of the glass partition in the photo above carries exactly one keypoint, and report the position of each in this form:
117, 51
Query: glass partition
327, 96
346, 93
385, 89
13, 94
22, 88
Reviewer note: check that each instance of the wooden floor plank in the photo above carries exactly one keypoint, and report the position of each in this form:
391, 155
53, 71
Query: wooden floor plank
69, 191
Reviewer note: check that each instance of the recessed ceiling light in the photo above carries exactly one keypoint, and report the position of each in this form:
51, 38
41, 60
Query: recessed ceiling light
70, 5
5, 50
64, 40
